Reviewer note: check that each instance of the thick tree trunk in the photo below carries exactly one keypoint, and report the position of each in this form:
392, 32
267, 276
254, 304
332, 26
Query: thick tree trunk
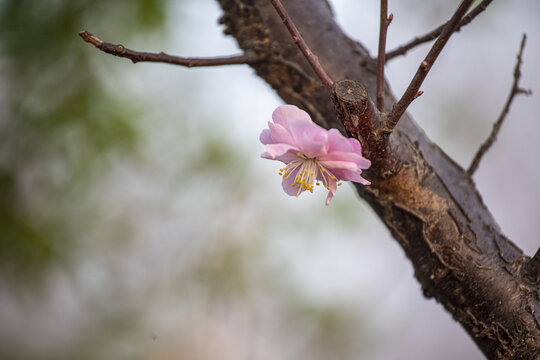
427, 201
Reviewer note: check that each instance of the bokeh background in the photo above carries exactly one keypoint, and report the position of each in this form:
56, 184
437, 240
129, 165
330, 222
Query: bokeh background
137, 220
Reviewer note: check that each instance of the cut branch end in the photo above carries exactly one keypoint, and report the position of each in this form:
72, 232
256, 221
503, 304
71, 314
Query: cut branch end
353, 107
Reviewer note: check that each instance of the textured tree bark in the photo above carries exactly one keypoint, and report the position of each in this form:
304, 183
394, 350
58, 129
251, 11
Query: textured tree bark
427, 201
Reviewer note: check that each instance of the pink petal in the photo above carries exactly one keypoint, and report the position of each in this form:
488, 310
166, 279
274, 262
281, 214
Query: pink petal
313, 145
288, 184
338, 142
329, 197
347, 175
266, 137
280, 134
357, 148
332, 188
279, 151
285, 113
310, 138
334, 166
353, 157
292, 131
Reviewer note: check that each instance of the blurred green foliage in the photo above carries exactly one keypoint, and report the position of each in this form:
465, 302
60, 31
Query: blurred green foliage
113, 274
59, 124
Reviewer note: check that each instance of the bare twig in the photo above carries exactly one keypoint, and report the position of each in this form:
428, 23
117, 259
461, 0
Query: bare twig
497, 126
432, 35
412, 91
137, 56
311, 58
385, 21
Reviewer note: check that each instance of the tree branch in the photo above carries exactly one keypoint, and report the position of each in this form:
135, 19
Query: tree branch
497, 126
383, 28
531, 269
249, 57
412, 91
402, 50
428, 203
299, 40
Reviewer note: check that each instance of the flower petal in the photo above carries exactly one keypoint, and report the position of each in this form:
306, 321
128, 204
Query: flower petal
332, 188
357, 148
288, 184
348, 175
279, 134
294, 139
334, 166
338, 142
353, 157
312, 143
266, 137
310, 138
285, 113
280, 152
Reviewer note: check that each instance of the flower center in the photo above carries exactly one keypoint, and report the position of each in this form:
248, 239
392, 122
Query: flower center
309, 172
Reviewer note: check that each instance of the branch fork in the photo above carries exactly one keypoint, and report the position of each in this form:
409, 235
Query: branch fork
391, 119
362, 119
365, 121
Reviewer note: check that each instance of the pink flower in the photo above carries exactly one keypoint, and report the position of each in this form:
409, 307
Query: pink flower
312, 154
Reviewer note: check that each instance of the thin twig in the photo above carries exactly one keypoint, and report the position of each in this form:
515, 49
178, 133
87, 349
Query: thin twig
432, 35
137, 56
412, 91
383, 28
311, 58
497, 126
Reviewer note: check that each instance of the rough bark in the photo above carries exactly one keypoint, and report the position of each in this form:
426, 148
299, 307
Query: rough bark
427, 201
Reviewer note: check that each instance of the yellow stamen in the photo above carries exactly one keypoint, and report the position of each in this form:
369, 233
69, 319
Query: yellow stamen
308, 174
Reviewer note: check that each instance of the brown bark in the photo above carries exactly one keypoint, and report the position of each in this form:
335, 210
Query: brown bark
427, 201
